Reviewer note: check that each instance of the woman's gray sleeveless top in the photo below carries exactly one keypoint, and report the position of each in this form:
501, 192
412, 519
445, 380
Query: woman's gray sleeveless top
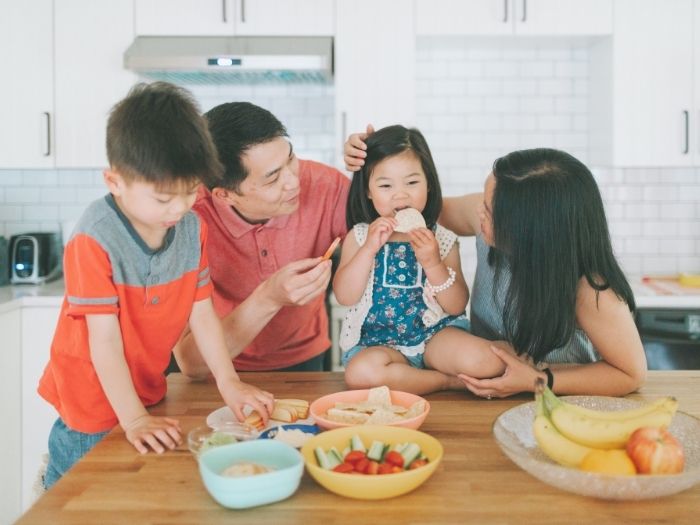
486, 313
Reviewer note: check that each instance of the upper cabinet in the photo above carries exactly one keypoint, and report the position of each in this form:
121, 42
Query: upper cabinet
374, 67
507, 17
235, 17
62, 79
646, 100
89, 76
26, 92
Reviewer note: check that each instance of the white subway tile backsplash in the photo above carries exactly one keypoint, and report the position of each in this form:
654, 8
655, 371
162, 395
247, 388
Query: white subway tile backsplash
21, 195
660, 193
40, 178
39, 213
641, 246
58, 195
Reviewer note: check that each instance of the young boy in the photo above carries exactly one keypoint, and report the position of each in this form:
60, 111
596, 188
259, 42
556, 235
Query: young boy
136, 273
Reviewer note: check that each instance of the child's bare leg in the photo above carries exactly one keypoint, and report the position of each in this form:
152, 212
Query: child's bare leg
379, 365
454, 351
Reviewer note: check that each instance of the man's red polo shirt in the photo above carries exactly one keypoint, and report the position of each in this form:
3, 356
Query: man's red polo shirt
242, 255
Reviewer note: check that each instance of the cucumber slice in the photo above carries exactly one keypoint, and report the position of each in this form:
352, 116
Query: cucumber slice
376, 451
357, 444
335, 456
410, 453
322, 458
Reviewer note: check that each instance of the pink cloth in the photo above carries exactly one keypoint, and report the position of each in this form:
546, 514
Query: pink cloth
242, 255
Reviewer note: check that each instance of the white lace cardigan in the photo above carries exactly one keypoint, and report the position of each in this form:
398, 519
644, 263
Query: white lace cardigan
356, 314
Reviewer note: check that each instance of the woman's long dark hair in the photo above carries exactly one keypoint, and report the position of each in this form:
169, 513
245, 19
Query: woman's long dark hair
388, 142
550, 230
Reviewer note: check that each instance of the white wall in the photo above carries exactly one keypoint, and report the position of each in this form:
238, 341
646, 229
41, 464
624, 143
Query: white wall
480, 99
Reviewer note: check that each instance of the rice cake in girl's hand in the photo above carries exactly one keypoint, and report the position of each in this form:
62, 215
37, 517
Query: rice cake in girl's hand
409, 219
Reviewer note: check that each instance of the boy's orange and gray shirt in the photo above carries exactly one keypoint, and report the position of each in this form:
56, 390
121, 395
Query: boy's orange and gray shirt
110, 270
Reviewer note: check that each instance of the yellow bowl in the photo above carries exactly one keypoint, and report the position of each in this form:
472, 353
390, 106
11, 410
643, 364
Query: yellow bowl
364, 486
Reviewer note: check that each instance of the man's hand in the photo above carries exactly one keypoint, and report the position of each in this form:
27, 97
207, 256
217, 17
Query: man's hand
298, 282
237, 394
354, 149
153, 432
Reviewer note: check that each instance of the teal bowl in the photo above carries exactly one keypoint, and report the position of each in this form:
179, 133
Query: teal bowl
251, 491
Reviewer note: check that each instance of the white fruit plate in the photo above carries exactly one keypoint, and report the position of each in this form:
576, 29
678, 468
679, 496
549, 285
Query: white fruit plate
223, 416
513, 432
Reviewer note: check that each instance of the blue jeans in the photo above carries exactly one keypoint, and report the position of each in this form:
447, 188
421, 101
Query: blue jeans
66, 447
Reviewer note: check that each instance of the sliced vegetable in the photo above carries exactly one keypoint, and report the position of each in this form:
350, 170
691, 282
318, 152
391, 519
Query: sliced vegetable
376, 451
357, 444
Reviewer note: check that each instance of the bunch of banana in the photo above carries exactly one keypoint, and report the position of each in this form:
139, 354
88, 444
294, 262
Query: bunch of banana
566, 432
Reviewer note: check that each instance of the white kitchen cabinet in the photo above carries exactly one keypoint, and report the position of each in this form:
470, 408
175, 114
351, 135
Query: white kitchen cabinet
235, 17
694, 126
642, 83
10, 437
374, 67
62, 63
37, 415
26, 91
27, 419
90, 77
508, 17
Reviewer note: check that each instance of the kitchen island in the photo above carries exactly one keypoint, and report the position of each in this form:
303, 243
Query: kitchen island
475, 483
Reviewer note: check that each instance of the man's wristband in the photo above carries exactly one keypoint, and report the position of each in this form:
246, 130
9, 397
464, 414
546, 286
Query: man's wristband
550, 378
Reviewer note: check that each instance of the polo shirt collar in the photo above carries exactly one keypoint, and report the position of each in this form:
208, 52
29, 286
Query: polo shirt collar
237, 226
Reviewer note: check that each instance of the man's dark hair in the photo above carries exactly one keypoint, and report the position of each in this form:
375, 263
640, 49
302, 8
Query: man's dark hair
235, 128
157, 134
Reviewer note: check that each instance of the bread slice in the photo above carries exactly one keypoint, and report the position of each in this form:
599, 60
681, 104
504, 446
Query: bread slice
301, 406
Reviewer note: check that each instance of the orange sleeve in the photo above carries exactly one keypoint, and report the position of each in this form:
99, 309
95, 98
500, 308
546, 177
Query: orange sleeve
88, 278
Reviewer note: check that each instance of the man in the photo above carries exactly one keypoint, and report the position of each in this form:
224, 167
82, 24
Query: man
270, 220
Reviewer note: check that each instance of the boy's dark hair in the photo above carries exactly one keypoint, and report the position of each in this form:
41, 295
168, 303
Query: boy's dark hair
388, 142
156, 134
235, 128
549, 231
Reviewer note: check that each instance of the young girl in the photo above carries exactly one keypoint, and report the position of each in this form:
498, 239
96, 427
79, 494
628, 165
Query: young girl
406, 328
547, 280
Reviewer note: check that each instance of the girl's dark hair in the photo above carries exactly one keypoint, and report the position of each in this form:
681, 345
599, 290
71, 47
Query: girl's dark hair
382, 144
236, 127
157, 134
549, 230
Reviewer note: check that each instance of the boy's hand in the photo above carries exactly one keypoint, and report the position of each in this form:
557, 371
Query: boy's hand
237, 394
354, 149
425, 245
379, 232
153, 432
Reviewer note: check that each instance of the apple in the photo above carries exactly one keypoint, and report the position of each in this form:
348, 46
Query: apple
654, 450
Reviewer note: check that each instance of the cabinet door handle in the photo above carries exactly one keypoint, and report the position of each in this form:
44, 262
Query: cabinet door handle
686, 116
242, 11
224, 15
524, 11
505, 10
47, 116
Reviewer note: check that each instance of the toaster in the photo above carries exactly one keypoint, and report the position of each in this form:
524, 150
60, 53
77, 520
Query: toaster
35, 257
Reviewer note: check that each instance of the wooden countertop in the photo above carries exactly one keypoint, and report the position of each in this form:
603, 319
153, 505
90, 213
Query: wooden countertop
475, 483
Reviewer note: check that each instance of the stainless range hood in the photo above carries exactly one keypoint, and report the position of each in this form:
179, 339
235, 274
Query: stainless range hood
232, 60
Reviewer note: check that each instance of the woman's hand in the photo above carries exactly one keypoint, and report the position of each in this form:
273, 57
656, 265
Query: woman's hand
354, 149
237, 394
519, 376
379, 232
153, 432
425, 245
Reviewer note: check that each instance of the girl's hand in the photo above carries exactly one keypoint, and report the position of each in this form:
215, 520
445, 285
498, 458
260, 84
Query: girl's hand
425, 245
379, 232
237, 394
519, 376
354, 149
153, 432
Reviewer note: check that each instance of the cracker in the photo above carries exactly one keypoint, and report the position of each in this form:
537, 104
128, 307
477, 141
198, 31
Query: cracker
409, 219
